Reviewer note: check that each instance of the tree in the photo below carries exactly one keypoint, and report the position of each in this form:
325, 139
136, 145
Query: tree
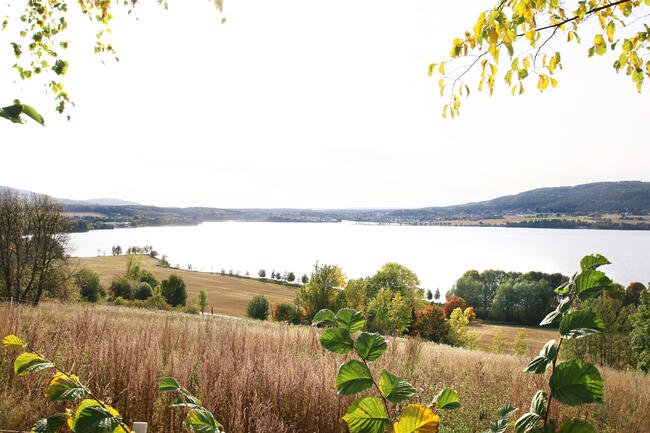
164, 262
258, 308
143, 291
355, 294
122, 288
89, 287
116, 250
431, 324
304, 279
396, 278
291, 277
389, 313
525, 27
429, 295
453, 303
519, 346
149, 278
633, 293
133, 270
321, 291
437, 295
640, 337
261, 273
174, 291
32, 246
458, 334
203, 300
286, 312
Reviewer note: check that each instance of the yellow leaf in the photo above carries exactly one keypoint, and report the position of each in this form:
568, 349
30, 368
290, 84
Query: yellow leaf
553, 82
416, 418
432, 68
611, 28
493, 68
12, 342
444, 112
526, 63
491, 83
441, 69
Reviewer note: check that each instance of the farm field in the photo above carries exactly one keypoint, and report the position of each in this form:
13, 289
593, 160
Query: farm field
265, 377
227, 295
535, 337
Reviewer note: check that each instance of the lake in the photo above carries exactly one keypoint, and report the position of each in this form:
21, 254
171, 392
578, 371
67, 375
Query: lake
438, 255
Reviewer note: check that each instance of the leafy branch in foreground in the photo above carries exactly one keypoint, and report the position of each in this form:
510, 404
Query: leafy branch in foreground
198, 418
525, 27
91, 416
13, 112
371, 413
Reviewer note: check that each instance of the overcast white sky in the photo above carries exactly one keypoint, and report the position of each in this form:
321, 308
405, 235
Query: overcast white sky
299, 103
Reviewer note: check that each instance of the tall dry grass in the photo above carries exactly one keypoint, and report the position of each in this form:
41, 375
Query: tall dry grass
262, 377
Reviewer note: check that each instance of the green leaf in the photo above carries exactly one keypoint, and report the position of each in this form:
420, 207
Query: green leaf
350, 319
506, 411
337, 340
593, 261
529, 420
65, 387
187, 400
367, 415
202, 421
416, 418
499, 426
50, 424
96, 419
353, 377
371, 346
576, 426
393, 388
31, 112
538, 403
29, 363
576, 382
13, 112
12, 342
562, 308
447, 399
591, 283
169, 384
546, 357
579, 324
324, 317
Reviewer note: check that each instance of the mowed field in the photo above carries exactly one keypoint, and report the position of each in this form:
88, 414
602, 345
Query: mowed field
227, 295
535, 337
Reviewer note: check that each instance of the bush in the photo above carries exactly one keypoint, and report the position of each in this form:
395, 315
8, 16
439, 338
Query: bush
143, 291
157, 302
453, 303
149, 278
122, 287
174, 291
286, 312
89, 287
430, 324
191, 309
258, 308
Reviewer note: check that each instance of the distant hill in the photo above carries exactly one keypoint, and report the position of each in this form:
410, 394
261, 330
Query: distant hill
607, 197
65, 201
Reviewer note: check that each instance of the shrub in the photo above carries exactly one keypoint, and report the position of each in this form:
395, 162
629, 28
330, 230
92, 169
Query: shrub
258, 308
174, 291
157, 302
143, 291
453, 303
430, 324
149, 278
89, 287
191, 309
286, 312
122, 287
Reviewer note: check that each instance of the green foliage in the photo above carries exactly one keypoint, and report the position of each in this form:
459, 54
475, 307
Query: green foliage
133, 268
397, 279
350, 319
203, 300
371, 346
353, 377
143, 291
320, 293
174, 291
122, 288
337, 340
579, 324
367, 415
640, 336
519, 346
13, 113
149, 278
447, 399
258, 308
286, 312
458, 333
498, 343
89, 287
576, 382
389, 313
355, 294
546, 357
198, 419
394, 388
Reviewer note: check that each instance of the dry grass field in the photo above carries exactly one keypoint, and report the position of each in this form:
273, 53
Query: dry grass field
227, 295
535, 337
265, 377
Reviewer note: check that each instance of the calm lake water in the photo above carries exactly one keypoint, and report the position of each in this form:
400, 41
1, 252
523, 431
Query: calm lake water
438, 255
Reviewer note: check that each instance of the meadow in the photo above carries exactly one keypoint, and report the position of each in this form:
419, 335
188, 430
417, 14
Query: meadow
265, 377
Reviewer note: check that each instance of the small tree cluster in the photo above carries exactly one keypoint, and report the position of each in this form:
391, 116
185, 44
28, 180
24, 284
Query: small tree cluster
258, 308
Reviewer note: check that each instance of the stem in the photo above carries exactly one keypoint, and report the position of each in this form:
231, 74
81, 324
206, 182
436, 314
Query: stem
550, 396
380, 394
90, 394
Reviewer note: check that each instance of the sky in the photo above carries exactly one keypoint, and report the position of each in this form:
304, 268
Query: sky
311, 104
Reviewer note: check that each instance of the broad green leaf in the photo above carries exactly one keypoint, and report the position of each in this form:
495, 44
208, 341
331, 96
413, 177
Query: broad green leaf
65, 387
506, 411
337, 340
367, 415
393, 388
29, 363
576, 426
169, 384
447, 399
31, 112
550, 318
187, 400
546, 357
593, 261
371, 346
564, 287
416, 418
591, 283
202, 421
353, 377
50, 424
576, 382
324, 317
96, 419
527, 422
499, 426
538, 403
579, 324
12, 342
350, 319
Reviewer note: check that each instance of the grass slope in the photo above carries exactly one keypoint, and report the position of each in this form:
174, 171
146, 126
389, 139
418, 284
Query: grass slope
227, 295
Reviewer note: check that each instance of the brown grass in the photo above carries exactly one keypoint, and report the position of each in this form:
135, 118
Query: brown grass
535, 337
227, 295
264, 377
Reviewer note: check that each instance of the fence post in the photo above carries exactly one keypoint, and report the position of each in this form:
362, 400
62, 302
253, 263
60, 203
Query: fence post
139, 427
11, 302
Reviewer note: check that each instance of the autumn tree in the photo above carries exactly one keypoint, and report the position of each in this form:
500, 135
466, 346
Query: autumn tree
431, 324
518, 32
32, 246
321, 291
453, 303
396, 278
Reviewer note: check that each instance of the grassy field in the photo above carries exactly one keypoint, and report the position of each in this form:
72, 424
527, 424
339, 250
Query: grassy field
227, 295
535, 337
266, 377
